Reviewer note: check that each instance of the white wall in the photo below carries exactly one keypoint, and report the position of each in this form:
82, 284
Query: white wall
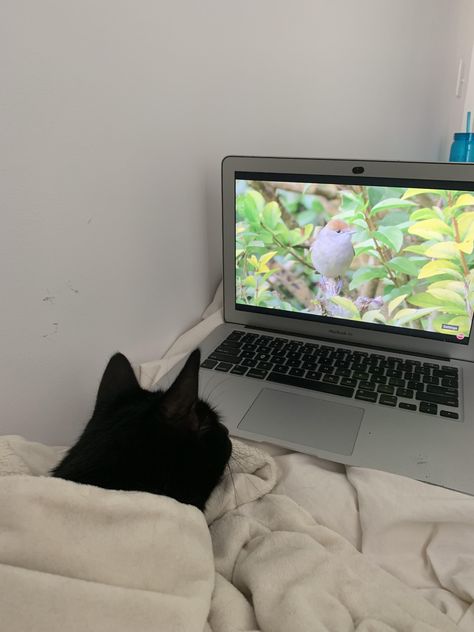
461, 48
469, 100
115, 116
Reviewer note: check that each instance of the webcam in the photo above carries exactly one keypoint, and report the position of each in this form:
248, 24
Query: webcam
357, 169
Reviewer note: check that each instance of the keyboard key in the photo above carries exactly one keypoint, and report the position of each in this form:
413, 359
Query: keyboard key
430, 380
407, 406
376, 370
344, 372
405, 392
280, 368
366, 396
235, 335
437, 399
297, 372
415, 385
326, 368
249, 362
388, 400
442, 390
346, 381
225, 357
296, 355
314, 385
223, 366
331, 379
239, 370
426, 407
258, 373
360, 375
247, 354
229, 344
265, 365
449, 413
449, 369
314, 375
367, 386
387, 390
396, 381
394, 373
208, 364
250, 336
449, 381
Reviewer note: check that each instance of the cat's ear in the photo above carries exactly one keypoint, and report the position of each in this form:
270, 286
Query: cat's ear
180, 399
118, 380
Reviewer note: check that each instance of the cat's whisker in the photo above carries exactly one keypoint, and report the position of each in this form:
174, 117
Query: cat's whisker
214, 393
248, 478
209, 383
233, 483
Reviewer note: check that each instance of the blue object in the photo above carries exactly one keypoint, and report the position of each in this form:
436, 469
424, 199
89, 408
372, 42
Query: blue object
470, 148
462, 149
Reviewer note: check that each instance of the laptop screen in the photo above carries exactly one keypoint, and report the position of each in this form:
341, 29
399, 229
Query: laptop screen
374, 253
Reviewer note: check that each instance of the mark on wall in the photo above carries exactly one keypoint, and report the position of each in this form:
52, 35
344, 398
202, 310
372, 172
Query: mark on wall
49, 299
73, 289
52, 333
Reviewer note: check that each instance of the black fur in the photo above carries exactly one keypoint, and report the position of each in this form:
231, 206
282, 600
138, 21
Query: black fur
164, 442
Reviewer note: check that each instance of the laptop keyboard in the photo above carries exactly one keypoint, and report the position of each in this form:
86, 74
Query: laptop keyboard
412, 385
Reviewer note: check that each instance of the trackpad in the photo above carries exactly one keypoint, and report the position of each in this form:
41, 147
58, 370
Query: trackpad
304, 420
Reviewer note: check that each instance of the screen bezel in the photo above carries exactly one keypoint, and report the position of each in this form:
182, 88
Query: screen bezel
460, 175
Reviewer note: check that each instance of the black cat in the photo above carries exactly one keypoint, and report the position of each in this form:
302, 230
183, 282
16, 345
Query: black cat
164, 442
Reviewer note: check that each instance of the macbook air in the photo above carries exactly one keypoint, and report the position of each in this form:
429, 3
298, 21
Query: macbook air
348, 306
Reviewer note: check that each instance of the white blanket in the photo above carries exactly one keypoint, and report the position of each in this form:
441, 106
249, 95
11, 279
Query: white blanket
76, 557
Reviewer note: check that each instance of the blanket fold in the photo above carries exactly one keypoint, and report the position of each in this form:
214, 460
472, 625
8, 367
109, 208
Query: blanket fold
76, 558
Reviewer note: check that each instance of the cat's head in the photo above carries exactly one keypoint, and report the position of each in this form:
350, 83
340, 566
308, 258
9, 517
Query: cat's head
164, 442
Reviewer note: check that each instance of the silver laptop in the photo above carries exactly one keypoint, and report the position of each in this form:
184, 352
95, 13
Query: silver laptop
348, 301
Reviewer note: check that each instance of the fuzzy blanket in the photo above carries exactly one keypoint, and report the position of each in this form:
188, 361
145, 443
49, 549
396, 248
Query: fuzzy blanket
76, 557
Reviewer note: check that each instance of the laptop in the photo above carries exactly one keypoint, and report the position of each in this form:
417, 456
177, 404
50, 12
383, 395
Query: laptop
348, 306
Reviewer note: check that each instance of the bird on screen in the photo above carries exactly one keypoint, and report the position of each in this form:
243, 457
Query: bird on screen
332, 251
